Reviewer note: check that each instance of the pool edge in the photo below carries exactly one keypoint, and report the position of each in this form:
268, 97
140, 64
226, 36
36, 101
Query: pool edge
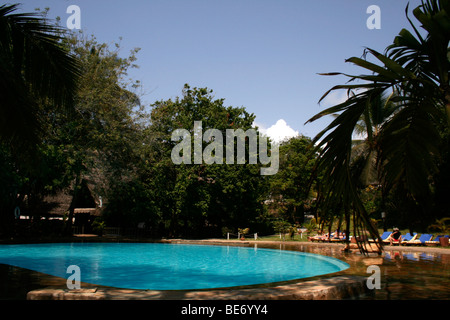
332, 288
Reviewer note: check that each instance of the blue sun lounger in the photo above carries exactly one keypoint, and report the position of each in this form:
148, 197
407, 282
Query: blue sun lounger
422, 240
436, 241
383, 237
408, 238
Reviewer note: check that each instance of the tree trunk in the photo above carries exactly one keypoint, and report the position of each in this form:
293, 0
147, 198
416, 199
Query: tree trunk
76, 187
329, 230
347, 229
447, 102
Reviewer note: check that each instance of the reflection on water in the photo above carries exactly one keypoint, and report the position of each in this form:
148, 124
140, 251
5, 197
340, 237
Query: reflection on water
405, 275
415, 275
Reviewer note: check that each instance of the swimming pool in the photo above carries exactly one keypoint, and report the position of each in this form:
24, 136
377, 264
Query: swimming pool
157, 266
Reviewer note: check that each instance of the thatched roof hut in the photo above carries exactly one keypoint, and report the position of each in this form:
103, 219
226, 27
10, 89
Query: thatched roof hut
59, 204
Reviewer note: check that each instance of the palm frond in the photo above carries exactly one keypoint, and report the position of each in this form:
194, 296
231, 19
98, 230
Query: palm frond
33, 66
403, 130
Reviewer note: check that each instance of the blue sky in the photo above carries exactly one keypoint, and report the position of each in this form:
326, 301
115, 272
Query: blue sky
263, 55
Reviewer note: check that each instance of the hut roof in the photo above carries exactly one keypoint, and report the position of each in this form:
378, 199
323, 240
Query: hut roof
57, 204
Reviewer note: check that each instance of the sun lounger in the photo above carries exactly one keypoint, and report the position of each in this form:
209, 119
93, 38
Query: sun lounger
436, 240
341, 239
404, 239
318, 238
326, 238
422, 240
393, 241
408, 238
383, 237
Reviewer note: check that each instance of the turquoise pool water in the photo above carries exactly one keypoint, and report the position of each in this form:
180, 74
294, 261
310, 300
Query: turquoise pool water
158, 266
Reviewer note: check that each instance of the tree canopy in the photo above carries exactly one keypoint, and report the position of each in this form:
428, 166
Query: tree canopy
72, 122
194, 200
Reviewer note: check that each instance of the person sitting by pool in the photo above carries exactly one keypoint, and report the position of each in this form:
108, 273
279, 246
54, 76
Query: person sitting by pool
395, 236
319, 237
338, 236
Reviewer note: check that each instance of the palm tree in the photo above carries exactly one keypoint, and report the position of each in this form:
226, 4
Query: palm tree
34, 67
365, 149
414, 74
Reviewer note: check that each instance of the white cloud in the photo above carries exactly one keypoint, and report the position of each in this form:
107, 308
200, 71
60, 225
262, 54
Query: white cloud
280, 131
261, 127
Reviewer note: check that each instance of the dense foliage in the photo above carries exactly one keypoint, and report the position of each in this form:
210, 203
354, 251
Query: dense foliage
190, 200
72, 123
410, 147
109, 147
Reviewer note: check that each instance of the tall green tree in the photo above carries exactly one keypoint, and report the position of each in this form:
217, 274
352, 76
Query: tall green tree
198, 200
103, 137
98, 142
36, 70
290, 189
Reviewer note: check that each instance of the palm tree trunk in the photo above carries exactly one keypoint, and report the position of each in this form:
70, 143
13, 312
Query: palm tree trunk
329, 229
338, 230
347, 228
447, 105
